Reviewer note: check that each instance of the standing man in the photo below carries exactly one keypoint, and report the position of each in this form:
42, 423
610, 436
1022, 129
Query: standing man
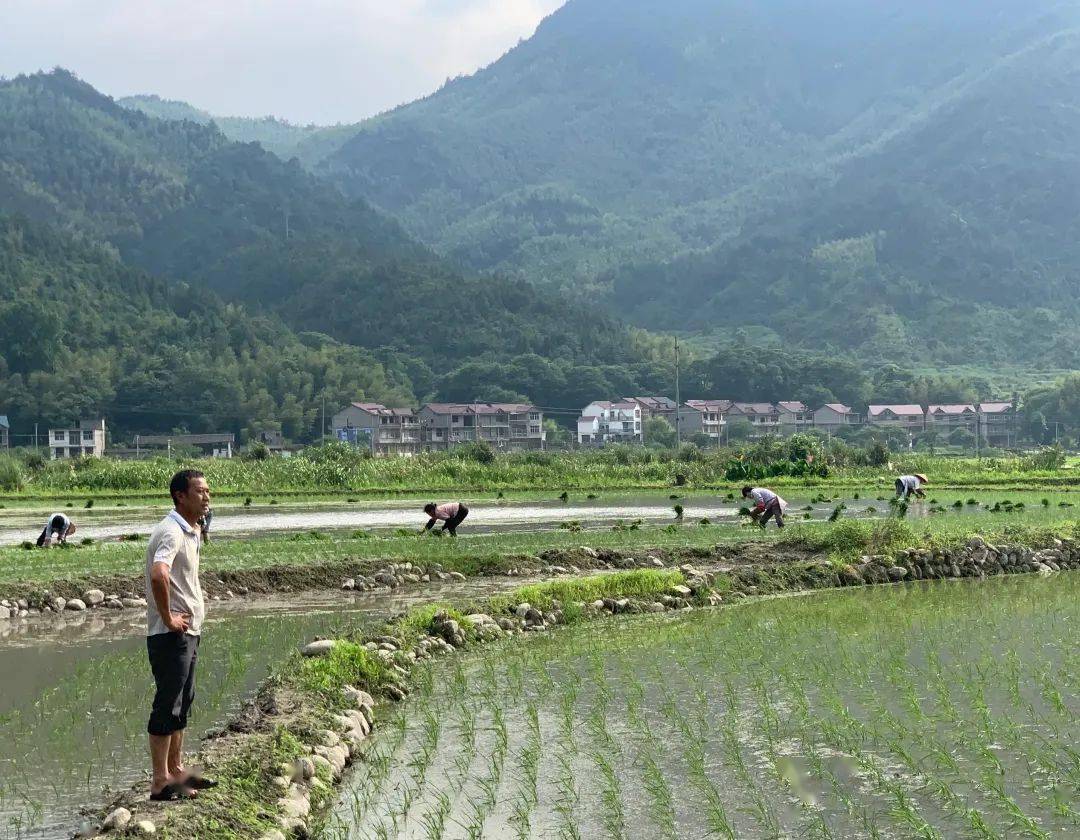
452, 514
174, 618
58, 526
767, 505
907, 485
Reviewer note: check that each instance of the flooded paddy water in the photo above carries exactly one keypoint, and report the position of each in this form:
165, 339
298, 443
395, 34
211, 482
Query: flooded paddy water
930, 710
75, 691
500, 515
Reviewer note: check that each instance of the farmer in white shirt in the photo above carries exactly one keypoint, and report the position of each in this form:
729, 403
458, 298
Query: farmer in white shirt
174, 617
907, 485
58, 527
767, 505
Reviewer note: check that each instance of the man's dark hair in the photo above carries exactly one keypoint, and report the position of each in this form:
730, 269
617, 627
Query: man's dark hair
429, 507
746, 490
181, 481
57, 522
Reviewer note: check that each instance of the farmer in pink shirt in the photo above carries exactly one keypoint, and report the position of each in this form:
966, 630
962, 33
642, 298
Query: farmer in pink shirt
452, 514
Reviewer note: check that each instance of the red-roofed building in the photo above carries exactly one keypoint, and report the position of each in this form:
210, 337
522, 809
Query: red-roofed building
833, 417
764, 418
707, 417
997, 423
795, 416
946, 418
506, 426
385, 431
910, 417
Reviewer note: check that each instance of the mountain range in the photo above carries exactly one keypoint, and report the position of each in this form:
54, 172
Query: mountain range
873, 182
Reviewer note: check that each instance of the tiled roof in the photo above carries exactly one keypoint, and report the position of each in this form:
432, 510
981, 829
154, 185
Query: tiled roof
875, 410
710, 405
755, 408
950, 409
989, 407
793, 405
656, 403
839, 408
479, 408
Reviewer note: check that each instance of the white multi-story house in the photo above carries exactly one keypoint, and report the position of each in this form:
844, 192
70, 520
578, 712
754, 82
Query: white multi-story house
835, 416
602, 421
707, 417
86, 438
385, 431
908, 417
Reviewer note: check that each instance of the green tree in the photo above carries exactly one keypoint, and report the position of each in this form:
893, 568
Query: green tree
658, 432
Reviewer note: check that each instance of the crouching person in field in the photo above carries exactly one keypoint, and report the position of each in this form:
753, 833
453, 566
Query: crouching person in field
174, 617
767, 505
451, 514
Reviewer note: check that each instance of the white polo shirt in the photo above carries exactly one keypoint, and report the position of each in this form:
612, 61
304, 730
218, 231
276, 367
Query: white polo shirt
176, 544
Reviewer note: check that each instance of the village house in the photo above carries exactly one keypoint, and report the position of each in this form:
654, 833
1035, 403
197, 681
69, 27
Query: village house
604, 422
946, 418
87, 437
833, 417
764, 418
706, 417
997, 423
795, 417
5, 432
507, 426
908, 417
654, 407
382, 430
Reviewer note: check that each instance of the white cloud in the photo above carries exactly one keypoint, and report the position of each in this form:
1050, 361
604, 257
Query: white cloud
306, 60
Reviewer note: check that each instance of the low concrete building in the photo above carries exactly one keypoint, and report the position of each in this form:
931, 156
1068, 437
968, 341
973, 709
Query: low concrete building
506, 426
997, 423
87, 437
945, 418
795, 417
604, 422
707, 417
764, 418
385, 431
5, 432
908, 417
218, 445
832, 417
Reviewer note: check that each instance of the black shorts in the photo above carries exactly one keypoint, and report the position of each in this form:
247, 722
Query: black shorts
172, 659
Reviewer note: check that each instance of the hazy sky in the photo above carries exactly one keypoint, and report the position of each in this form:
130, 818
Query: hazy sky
319, 61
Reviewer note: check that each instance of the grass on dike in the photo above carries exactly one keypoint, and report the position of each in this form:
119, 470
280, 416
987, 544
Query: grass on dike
239, 807
487, 553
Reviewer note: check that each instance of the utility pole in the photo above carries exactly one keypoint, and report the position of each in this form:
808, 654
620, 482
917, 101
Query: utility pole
35, 437
322, 422
678, 403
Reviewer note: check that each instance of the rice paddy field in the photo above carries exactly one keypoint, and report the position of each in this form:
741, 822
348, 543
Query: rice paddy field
943, 710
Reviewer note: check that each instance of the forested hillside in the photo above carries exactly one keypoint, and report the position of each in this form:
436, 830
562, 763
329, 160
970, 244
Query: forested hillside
181, 202
309, 143
83, 333
701, 163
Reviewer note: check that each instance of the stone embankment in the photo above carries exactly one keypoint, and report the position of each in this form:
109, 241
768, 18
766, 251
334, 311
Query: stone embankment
300, 790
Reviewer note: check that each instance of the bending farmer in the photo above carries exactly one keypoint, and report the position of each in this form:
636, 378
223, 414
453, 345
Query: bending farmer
909, 484
174, 617
767, 505
58, 527
452, 514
